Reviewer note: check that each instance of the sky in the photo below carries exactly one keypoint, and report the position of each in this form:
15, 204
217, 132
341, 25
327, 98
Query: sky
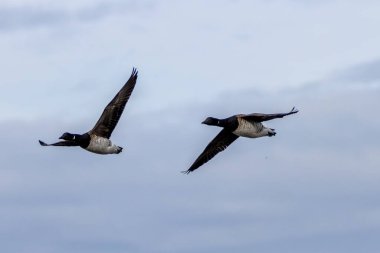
311, 188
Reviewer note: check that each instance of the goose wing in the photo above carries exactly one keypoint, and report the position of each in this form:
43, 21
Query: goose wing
60, 143
259, 117
111, 114
218, 144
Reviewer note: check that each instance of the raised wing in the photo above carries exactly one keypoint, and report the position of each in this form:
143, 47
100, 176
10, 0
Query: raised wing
218, 144
111, 114
260, 117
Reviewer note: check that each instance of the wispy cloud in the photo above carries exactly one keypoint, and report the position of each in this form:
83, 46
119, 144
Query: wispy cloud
16, 18
29, 17
365, 73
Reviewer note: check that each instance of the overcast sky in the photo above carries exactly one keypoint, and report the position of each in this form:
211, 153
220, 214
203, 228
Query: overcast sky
314, 187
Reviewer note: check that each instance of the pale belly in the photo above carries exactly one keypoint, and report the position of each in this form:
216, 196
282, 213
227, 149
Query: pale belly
100, 145
250, 130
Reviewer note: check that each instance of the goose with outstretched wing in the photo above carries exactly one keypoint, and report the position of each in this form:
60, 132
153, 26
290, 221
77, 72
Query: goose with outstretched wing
97, 140
244, 125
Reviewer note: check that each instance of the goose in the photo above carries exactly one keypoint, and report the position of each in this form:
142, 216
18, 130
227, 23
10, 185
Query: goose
244, 125
97, 140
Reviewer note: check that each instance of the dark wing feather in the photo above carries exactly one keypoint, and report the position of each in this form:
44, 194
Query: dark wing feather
60, 143
111, 114
259, 117
218, 144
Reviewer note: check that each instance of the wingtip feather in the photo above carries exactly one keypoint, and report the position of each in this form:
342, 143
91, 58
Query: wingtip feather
134, 72
294, 110
42, 143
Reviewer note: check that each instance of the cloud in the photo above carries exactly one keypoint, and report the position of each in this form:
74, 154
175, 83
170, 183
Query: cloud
365, 73
312, 188
315, 180
28, 17
22, 17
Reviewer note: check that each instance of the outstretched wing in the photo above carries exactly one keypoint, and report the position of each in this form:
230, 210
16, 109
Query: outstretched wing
60, 143
259, 117
218, 144
111, 114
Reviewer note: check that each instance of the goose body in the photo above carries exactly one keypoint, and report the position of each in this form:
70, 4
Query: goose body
97, 140
250, 129
101, 145
240, 125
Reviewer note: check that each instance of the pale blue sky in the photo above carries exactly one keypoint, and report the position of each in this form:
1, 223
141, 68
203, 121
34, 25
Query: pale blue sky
312, 188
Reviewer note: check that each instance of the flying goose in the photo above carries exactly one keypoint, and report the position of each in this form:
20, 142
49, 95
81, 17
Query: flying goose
97, 139
245, 125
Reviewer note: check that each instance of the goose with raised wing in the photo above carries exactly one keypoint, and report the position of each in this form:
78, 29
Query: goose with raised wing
97, 140
244, 125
